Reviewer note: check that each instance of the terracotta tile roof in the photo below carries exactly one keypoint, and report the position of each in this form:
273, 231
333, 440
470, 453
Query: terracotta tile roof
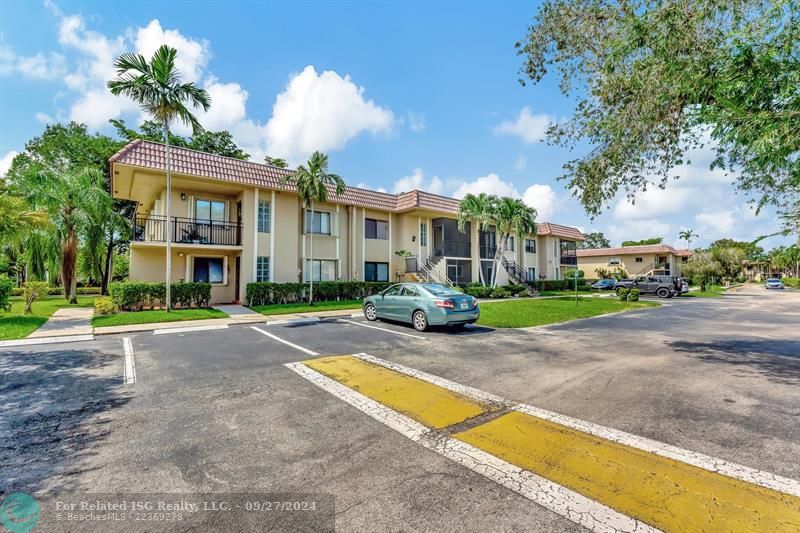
630, 250
152, 155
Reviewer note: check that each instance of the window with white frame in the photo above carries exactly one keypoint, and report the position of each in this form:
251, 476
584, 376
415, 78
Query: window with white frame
532, 273
510, 246
209, 210
209, 270
374, 271
264, 213
614, 261
639, 259
319, 223
423, 234
323, 269
530, 246
262, 268
376, 229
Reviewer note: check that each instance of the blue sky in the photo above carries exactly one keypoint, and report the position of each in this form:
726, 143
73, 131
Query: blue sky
400, 95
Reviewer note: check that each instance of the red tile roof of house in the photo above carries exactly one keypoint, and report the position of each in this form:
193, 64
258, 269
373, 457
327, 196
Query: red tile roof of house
152, 155
629, 250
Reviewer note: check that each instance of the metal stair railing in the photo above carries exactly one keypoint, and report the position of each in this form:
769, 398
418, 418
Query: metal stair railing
518, 273
429, 268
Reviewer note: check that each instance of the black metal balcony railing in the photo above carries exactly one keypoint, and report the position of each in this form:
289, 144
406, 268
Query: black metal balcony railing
487, 251
456, 249
154, 228
569, 260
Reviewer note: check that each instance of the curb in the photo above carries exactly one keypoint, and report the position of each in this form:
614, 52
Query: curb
46, 340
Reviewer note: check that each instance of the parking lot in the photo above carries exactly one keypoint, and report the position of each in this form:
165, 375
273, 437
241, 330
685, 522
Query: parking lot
217, 410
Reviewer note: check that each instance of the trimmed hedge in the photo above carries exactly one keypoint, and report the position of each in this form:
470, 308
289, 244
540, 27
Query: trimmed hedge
135, 295
266, 293
6, 288
58, 291
628, 295
104, 306
562, 285
791, 282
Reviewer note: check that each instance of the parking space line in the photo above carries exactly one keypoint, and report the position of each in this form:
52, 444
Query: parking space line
189, 329
129, 371
382, 329
284, 341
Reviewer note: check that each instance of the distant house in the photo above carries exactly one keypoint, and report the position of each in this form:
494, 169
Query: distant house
655, 259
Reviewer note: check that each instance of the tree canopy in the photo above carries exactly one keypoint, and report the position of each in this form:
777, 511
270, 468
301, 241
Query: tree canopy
213, 142
751, 251
654, 80
595, 239
644, 242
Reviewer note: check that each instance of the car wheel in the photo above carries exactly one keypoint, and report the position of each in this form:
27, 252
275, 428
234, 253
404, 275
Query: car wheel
370, 313
419, 320
663, 293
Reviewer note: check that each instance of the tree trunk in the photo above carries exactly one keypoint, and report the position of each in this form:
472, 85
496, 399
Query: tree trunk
68, 265
311, 253
109, 265
498, 258
169, 221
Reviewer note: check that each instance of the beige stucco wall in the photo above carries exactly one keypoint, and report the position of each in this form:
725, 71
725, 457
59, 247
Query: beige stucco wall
590, 265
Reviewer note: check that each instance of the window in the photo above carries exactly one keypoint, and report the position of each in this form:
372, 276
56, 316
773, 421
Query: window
376, 229
324, 269
511, 244
639, 259
394, 290
532, 273
423, 234
208, 210
264, 217
209, 269
409, 290
376, 271
613, 261
321, 224
262, 269
530, 246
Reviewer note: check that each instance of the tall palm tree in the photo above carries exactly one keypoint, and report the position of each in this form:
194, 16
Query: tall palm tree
512, 216
67, 197
479, 208
688, 235
313, 182
157, 88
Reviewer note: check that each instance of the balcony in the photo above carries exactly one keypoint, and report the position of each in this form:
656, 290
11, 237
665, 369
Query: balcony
154, 228
569, 260
456, 249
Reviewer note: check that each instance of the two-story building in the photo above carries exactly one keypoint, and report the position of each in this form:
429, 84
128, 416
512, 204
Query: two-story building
231, 223
654, 259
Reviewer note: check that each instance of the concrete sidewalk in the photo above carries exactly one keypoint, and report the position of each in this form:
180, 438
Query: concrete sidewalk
66, 321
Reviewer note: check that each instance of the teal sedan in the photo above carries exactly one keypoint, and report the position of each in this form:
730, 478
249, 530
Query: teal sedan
422, 305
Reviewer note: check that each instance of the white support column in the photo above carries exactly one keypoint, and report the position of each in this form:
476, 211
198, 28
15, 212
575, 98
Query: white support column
390, 246
338, 262
363, 242
272, 217
255, 235
419, 238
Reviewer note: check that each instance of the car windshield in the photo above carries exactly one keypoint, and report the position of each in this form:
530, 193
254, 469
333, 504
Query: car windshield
773, 280
439, 290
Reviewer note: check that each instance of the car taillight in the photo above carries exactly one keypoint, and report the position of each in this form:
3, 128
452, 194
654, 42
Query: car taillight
445, 303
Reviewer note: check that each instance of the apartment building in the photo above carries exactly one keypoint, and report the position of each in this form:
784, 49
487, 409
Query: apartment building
657, 259
232, 223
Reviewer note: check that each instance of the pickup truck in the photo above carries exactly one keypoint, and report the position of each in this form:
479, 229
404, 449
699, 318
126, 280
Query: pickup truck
661, 286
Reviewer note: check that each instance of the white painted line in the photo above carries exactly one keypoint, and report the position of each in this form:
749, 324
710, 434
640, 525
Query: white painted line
46, 340
189, 329
561, 500
712, 464
382, 329
284, 341
130, 365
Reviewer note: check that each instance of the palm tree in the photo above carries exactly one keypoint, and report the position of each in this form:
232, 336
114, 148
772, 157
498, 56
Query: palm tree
479, 208
313, 182
68, 198
512, 216
688, 235
157, 88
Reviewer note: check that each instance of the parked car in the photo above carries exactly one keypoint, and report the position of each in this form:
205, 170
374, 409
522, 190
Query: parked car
422, 305
605, 284
773, 283
661, 286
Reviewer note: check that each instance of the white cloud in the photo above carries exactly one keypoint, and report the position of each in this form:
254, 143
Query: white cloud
228, 105
44, 118
721, 221
489, 184
654, 202
528, 127
193, 55
632, 230
5, 162
416, 121
521, 163
543, 198
362, 185
417, 181
37, 66
321, 112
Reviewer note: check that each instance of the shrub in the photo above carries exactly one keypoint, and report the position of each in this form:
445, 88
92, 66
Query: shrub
265, 293
477, 290
516, 290
500, 292
6, 287
32, 291
623, 294
58, 291
562, 285
104, 306
634, 295
135, 295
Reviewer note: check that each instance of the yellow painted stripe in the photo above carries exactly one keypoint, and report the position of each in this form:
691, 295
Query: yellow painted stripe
424, 402
659, 491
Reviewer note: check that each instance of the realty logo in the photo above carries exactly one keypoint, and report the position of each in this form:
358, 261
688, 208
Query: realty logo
19, 512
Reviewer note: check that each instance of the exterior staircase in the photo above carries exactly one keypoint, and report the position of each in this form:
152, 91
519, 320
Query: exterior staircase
519, 276
430, 270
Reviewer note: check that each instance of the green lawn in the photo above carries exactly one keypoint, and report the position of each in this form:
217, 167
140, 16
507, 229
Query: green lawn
149, 317
533, 312
15, 325
282, 309
571, 293
712, 291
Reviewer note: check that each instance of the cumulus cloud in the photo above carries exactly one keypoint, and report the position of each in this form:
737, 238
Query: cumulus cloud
527, 126
363, 185
5, 161
321, 112
417, 181
542, 198
521, 162
44, 118
639, 229
37, 66
489, 184
416, 121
